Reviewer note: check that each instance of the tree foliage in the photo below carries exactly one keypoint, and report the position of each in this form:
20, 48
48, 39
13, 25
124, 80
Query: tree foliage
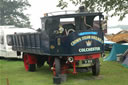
11, 13
116, 7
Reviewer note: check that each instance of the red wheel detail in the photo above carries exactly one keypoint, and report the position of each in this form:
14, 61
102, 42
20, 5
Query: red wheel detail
32, 59
28, 59
54, 70
26, 62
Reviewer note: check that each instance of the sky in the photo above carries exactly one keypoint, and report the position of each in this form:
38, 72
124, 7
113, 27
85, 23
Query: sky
39, 7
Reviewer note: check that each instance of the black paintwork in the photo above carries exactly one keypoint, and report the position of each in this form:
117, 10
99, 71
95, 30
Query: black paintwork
49, 42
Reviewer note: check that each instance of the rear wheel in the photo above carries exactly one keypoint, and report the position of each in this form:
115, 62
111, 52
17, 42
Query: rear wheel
32, 67
29, 62
96, 68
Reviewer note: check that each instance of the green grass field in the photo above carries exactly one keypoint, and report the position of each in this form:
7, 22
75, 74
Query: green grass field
112, 73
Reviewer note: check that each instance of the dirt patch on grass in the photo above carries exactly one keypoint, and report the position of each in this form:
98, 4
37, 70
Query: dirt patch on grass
94, 77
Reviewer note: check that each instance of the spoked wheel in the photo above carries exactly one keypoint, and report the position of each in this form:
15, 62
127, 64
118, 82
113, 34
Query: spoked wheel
57, 78
26, 64
29, 62
96, 68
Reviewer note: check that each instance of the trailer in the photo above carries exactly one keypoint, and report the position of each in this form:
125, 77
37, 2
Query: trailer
75, 45
5, 45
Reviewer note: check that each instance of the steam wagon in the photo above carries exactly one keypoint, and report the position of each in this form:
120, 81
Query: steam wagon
68, 43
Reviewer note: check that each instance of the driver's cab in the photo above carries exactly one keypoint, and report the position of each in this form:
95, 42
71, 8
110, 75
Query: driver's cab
69, 23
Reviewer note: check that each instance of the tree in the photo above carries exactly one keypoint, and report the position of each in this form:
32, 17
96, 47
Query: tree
11, 13
111, 7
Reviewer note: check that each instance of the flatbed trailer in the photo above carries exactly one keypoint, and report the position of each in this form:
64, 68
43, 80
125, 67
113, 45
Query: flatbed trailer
75, 45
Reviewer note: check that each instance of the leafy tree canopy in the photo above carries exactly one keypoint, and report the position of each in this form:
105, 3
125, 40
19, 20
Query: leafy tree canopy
11, 13
116, 7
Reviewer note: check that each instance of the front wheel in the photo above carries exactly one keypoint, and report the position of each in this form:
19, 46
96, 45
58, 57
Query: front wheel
57, 78
29, 62
96, 68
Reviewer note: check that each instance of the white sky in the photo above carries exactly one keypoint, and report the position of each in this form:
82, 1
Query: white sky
39, 7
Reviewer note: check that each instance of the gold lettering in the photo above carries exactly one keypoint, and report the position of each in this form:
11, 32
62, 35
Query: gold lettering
84, 38
75, 41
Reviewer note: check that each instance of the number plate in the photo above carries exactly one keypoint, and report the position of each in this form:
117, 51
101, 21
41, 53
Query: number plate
86, 61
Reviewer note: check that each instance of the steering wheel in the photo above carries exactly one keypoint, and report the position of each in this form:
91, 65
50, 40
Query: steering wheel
68, 28
69, 31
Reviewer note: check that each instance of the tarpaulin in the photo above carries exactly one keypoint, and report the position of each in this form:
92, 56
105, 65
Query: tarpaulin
116, 49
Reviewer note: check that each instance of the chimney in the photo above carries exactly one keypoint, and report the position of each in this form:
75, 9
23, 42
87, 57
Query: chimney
81, 9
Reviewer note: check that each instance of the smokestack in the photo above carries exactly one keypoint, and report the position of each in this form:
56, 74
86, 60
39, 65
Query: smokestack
81, 9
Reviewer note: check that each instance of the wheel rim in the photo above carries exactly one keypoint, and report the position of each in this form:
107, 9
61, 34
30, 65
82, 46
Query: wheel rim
26, 62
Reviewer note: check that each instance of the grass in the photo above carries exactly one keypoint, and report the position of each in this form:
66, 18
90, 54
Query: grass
112, 73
